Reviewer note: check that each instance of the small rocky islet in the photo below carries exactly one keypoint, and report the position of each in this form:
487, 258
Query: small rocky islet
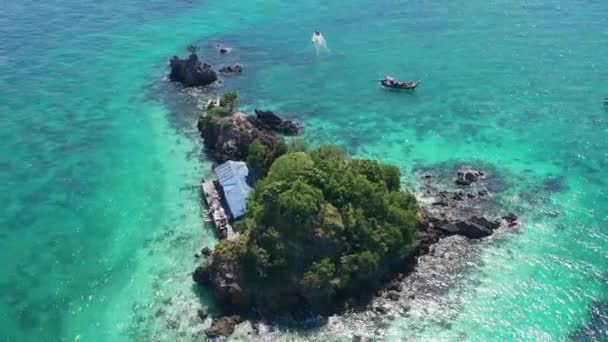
323, 230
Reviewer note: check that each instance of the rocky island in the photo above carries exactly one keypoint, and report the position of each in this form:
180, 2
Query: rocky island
233, 135
190, 71
322, 229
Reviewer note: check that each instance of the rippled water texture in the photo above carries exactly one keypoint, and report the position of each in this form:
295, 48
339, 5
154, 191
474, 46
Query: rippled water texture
99, 157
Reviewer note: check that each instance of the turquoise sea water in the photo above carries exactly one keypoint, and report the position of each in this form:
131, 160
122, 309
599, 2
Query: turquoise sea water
99, 156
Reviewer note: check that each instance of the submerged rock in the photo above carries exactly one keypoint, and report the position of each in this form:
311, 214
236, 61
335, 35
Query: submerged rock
427, 175
511, 219
172, 324
223, 327
159, 313
191, 72
466, 176
395, 286
394, 296
206, 251
595, 328
202, 314
201, 275
382, 309
223, 49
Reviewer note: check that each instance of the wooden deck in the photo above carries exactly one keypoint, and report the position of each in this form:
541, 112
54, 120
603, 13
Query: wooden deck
216, 212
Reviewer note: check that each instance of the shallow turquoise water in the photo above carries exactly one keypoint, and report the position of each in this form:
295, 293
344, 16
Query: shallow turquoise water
100, 221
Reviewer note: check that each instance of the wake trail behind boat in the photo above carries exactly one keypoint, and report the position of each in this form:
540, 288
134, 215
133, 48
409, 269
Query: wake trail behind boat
319, 42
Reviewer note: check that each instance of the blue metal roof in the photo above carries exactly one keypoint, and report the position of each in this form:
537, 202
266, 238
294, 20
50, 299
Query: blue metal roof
232, 176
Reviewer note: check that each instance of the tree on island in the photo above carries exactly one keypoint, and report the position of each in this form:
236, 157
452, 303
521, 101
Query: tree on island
228, 100
193, 49
320, 227
261, 156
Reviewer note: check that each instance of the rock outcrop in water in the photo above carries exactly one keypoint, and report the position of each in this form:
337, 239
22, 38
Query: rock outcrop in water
223, 327
468, 176
229, 136
223, 49
222, 277
274, 123
443, 254
458, 211
236, 69
191, 72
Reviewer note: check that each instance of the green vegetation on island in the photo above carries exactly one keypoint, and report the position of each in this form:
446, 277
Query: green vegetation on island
320, 228
323, 229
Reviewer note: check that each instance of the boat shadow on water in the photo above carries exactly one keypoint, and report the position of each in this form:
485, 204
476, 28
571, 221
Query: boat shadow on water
408, 93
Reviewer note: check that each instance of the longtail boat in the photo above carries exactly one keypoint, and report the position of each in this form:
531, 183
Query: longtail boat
399, 85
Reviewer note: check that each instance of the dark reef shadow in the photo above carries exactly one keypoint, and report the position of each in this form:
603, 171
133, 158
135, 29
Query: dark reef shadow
597, 327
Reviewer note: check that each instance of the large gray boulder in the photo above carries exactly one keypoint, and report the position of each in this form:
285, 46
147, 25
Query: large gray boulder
277, 124
223, 327
191, 72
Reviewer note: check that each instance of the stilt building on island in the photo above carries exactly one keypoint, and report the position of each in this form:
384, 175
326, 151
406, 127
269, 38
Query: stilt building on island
226, 196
